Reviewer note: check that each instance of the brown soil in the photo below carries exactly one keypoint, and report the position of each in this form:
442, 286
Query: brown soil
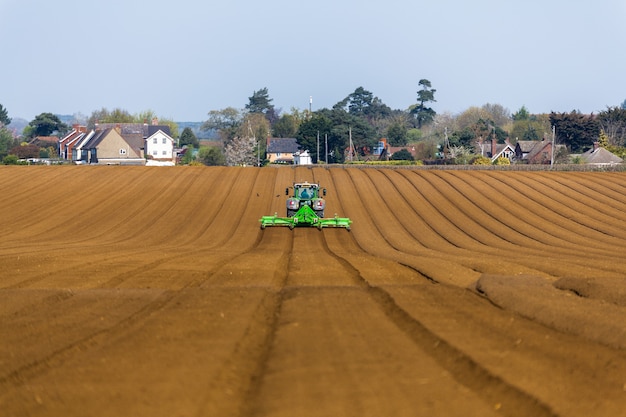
136, 291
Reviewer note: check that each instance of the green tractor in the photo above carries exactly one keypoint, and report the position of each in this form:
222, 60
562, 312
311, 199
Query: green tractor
305, 208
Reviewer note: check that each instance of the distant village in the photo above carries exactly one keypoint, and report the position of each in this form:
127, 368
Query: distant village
151, 144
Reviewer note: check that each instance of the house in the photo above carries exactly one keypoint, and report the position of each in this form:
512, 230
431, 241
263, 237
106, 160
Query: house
600, 157
70, 141
282, 150
109, 147
46, 142
127, 144
494, 150
160, 146
535, 151
302, 158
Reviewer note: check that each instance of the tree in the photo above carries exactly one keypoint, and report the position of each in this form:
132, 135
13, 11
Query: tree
4, 116
613, 122
260, 102
461, 155
240, 151
344, 126
530, 127
603, 139
397, 133
576, 130
6, 141
104, 115
623, 105
402, 155
256, 127
318, 126
423, 114
286, 126
210, 155
189, 138
225, 122
362, 103
521, 114
46, 124
498, 114
25, 151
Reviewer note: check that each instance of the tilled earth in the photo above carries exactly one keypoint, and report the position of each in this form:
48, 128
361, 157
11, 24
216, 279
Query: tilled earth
139, 291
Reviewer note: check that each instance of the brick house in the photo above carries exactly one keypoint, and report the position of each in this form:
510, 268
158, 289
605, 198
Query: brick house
535, 151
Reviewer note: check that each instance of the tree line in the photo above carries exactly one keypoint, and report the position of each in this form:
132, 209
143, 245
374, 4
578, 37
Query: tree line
364, 119
361, 118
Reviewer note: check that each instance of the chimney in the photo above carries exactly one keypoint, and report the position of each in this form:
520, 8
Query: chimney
155, 121
596, 145
493, 147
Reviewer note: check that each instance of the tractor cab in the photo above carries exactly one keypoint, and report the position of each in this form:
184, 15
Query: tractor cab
305, 191
305, 194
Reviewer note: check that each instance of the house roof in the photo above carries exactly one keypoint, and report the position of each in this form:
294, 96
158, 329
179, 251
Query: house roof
135, 140
527, 146
50, 139
537, 148
96, 138
164, 133
393, 149
599, 155
143, 129
485, 149
283, 145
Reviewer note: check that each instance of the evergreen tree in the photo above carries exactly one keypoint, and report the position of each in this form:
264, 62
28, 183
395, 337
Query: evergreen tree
423, 114
188, 138
47, 123
260, 102
4, 116
578, 131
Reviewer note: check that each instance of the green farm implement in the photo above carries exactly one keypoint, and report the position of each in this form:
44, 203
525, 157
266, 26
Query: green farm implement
305, 208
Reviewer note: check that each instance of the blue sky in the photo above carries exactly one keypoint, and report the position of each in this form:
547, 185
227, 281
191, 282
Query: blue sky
183, 58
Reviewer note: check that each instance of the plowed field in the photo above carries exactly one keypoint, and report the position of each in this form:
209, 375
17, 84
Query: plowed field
137, 291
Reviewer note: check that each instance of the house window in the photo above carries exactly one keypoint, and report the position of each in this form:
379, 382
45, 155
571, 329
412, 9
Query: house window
164, 152
122, 151
154, 141
155, 153
164, 141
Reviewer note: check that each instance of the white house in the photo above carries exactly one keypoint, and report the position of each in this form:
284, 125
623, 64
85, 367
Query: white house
302, 158
160, 146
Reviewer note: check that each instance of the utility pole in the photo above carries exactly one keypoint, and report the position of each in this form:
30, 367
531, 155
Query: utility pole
318, 146
351, 145
326, 146
552, 150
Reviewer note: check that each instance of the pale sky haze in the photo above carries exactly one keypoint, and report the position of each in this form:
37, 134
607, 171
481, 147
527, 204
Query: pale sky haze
183, 58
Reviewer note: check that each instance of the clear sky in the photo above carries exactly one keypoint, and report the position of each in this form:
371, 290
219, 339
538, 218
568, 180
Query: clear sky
183, 58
